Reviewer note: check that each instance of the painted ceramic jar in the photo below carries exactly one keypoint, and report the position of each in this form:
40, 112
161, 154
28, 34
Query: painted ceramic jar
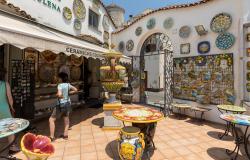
130, 143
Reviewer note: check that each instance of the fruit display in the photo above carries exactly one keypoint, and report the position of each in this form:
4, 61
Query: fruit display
36, 147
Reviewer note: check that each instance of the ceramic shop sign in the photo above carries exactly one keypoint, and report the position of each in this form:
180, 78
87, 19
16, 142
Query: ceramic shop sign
50, 4
82, 52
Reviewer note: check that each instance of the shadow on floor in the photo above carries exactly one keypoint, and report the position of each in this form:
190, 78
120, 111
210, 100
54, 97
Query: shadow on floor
98, 122
220, 153
215, 135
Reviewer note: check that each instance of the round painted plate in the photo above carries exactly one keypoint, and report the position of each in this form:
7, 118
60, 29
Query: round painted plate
75, 73
79, 9
49, 56
184, 32
138, 31
77, 24
121, 46
168, 23
151, 23
46, 73
138, 114
67, 13
225, 41
76, 61
221, 22
105, 23
130, 45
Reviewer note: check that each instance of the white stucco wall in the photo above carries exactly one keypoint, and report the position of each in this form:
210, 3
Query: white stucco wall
52, 18
192, 16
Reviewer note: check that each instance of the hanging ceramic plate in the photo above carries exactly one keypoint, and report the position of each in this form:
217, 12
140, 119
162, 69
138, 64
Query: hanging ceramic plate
67, 13
225, 41
62, 58
76, 61
138, 31
46, 73
168, 23
130, 45
77, 24
221, 22
121, 46
79, 9
49, 56
184, 32
75, 73
151, 23
204, 47
105, 23
248, 65
106, 36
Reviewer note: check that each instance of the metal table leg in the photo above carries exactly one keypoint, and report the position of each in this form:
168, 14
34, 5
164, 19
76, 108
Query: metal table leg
238, 141
246, 141
227, 130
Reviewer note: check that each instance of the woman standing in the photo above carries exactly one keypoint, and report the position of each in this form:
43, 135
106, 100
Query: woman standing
6, 105
63, 108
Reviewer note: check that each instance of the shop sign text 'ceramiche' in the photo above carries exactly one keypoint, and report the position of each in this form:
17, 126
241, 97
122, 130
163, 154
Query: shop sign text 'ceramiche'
50, 4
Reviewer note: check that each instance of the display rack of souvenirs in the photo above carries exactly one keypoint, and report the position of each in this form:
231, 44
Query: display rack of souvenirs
205, 79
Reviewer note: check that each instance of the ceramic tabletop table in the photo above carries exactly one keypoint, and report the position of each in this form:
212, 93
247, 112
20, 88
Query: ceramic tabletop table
232, 108
10, 126
138, 114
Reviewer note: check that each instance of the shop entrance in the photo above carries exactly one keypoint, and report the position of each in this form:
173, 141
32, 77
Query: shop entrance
152, 72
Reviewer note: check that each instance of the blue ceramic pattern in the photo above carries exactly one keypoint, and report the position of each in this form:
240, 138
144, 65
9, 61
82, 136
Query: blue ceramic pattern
225, 41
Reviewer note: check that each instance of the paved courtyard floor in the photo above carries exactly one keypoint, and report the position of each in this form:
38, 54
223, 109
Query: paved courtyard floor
175, 139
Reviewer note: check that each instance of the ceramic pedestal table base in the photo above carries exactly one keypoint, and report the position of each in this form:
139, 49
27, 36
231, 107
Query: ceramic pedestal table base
144, 118
242, 120
231, 109
109, 121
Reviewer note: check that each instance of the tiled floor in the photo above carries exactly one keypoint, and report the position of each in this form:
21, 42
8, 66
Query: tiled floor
175, 139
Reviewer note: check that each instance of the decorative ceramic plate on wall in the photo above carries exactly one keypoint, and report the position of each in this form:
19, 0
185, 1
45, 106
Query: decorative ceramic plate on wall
67, 13
106, 36
105, 22
138, 31
151, 23
221, 22
79, 9
46, 73
130, 45
121, 46
184, 32
204, 47
49, 56
75, 73
76, 61
77, 24
225, 41
168, 23
185, 48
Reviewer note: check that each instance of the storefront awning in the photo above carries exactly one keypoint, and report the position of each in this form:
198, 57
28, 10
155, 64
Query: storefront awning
23, 35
